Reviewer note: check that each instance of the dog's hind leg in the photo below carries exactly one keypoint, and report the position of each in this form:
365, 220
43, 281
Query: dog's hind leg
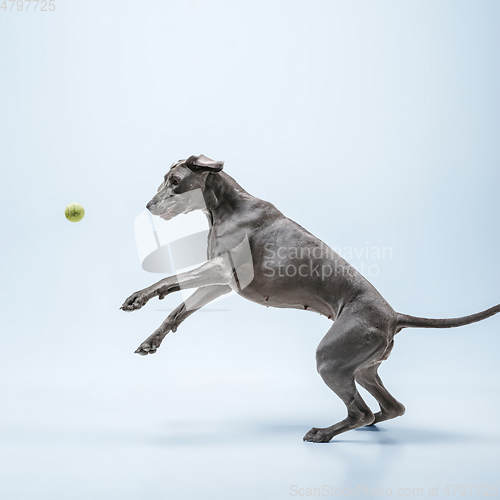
348, 345
390, 407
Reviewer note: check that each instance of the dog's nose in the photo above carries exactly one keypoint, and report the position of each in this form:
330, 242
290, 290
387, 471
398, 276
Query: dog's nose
149, 205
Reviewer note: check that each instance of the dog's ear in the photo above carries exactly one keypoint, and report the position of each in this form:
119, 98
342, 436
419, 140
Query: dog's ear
204, 164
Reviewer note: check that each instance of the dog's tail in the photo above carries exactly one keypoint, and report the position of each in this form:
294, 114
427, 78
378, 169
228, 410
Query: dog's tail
405, 321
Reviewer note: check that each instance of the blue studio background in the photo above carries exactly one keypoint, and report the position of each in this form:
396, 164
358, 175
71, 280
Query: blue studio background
374, 124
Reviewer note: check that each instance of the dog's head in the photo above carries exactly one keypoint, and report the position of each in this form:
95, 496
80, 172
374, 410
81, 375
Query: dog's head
182, 188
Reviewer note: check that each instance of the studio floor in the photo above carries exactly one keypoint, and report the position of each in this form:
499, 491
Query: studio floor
82, 447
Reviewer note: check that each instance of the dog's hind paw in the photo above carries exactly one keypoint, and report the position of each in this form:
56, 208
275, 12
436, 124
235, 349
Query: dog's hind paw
316, 435
397, 410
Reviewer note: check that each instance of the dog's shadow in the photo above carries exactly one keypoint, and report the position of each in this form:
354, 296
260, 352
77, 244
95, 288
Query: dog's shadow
211, 433
405, 436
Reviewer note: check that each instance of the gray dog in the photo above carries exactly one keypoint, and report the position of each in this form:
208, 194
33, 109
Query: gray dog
286, 266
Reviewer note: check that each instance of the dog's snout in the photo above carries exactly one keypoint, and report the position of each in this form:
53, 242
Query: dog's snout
149, 205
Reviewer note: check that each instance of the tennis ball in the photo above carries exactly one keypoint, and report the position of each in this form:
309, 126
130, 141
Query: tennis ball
74, 212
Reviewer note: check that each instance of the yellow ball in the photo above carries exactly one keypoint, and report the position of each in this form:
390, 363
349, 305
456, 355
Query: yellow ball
74, 212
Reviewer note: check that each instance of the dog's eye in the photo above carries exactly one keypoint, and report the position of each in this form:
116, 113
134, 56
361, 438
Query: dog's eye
174, 182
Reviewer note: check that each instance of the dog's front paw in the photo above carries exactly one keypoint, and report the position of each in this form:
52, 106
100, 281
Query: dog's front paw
151, 344
137, 300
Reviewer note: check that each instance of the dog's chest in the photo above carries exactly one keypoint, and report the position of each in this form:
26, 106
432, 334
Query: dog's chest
224, 238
